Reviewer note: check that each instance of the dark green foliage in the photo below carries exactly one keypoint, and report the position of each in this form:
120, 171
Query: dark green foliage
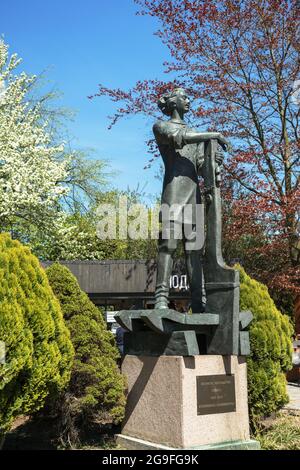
39, 352
96, 390
271, 349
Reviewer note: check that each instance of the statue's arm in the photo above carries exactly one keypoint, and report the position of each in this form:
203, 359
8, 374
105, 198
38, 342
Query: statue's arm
191, 137
166, 133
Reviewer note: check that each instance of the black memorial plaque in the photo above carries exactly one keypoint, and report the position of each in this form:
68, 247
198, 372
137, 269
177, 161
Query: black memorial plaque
215, 394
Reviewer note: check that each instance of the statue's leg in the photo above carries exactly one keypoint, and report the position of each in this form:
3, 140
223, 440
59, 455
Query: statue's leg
194, 266
166, 248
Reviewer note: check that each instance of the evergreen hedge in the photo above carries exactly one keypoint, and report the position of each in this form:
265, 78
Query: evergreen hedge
38, 349
96, 390
271, 349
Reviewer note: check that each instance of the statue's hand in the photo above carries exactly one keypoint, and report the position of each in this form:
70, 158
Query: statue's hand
224, 143
219, 157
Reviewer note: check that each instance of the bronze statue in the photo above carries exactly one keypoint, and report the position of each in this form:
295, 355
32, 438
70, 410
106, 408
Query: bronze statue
182, 151
216, 326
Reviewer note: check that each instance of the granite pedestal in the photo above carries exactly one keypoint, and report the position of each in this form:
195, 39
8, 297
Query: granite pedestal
165, 408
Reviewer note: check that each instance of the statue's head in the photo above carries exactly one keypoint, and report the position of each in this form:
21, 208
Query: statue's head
175, 99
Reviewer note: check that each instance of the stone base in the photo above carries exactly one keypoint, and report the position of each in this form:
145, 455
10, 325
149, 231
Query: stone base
179, 343
162, 403
132, 443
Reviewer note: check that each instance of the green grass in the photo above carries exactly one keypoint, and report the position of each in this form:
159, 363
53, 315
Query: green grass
283, 433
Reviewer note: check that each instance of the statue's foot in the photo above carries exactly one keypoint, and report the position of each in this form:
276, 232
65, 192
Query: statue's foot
161, 304
198, 307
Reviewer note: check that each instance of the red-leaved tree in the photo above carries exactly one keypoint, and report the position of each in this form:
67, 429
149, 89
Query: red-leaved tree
240, 61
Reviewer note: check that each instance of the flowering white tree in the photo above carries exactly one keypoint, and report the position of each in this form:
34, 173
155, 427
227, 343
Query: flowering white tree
32, 170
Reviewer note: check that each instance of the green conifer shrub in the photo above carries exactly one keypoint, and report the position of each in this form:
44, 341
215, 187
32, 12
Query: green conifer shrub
96, 389
271, 349
38, 350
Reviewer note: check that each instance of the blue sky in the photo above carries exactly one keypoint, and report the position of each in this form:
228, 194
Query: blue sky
81, 44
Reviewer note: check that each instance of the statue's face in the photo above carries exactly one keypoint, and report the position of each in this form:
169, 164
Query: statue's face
182, 103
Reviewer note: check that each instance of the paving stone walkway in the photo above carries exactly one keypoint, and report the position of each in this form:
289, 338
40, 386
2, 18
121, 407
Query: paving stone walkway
293, 390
